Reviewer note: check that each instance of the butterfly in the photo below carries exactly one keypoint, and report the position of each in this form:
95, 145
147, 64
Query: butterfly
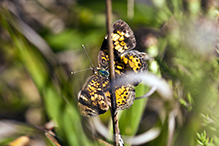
95, 97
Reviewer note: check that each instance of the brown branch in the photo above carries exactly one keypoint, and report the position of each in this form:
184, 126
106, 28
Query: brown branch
114, 114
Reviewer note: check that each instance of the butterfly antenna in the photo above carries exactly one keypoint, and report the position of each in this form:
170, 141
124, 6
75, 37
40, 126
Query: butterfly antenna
87, 56
73, 72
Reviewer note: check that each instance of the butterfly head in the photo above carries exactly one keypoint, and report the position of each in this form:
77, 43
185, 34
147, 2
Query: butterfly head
101, 72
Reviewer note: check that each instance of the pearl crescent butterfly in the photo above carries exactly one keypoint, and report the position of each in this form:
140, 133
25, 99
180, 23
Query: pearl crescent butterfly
95, 98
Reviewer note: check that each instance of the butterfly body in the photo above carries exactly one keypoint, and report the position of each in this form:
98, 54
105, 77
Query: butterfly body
95, 98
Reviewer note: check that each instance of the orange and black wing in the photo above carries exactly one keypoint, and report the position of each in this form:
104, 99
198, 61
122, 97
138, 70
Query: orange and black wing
126, 60
131, 62
123, 40
94, 96
125, 96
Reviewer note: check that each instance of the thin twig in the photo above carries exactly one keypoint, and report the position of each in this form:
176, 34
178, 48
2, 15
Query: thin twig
112, 75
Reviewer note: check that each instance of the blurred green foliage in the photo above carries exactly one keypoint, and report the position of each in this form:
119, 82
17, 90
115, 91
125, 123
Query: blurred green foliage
41, 44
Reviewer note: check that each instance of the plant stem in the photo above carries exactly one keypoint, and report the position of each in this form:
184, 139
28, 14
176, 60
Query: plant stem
112, 74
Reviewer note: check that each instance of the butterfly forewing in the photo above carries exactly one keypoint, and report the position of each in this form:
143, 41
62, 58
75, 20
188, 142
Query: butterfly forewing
123, 40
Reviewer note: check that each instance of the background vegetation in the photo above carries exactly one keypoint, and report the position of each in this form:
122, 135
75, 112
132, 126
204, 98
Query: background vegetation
41, 44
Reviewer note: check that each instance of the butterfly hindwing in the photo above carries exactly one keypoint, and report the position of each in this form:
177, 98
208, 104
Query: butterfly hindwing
92, 100
125, 96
